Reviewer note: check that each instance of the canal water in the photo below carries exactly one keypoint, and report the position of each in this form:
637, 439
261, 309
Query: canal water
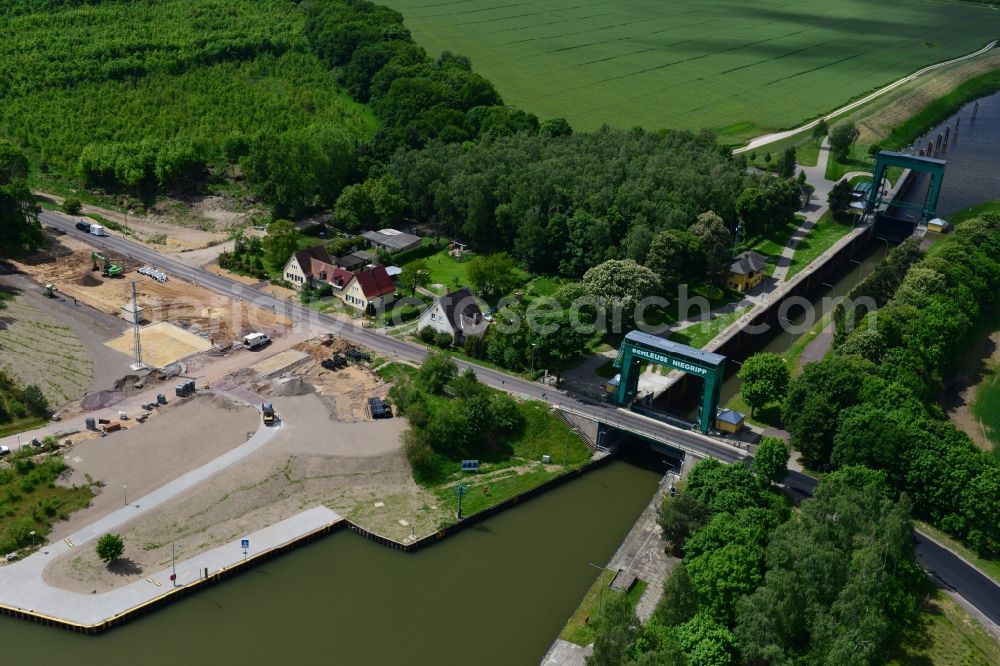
497, 593
800, 320
973, 155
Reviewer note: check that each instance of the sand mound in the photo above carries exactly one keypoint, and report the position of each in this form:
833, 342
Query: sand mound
291, 386
101, 399
88, 280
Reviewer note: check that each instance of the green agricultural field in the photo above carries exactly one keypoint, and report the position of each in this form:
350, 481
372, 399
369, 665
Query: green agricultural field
741, 68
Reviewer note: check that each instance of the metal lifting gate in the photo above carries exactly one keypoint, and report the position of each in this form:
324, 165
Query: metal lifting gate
638, 347
929, 165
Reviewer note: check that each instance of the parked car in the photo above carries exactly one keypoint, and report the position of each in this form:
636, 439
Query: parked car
4, 451
11, 557
83, 226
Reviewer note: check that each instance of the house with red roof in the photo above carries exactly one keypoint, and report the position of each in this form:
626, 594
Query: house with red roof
370, 289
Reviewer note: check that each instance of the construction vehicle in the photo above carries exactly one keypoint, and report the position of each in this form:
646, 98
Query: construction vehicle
49, 291
269, 414
103, 263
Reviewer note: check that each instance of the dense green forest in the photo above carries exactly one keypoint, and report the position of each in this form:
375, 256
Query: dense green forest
874, 402
835, 582
152, 93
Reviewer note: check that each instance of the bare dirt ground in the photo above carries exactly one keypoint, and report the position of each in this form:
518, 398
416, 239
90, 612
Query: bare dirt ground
358, 469
37, 349
50, 341
345, 391
180, 225
876, 121
147, 455
67, 264
958, 395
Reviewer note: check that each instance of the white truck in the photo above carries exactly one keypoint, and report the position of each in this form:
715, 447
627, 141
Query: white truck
256, 340
97, 230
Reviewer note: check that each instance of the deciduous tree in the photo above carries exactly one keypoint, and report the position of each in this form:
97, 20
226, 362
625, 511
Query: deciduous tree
281, 241
842, 137
716, 243
110, 547
492, 275
770, 461
764, 379
840, 197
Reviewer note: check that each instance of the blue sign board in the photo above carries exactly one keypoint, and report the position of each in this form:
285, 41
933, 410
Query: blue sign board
470, 465
245, 544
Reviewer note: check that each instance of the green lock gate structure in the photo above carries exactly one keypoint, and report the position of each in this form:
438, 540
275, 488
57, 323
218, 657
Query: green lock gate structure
638, 347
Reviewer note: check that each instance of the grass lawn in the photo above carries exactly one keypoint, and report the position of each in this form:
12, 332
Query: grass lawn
771, 243
390, 372
21, 425
739, 68
453, 274
989, 567
976, 211
498, 481
770, 415
858, 159
820, 238
986, 406
806, 151
32, 500
947, 636
766, 416
579, 628
701, 334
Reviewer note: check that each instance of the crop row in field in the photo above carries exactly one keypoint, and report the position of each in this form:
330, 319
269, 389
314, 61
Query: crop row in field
739, 68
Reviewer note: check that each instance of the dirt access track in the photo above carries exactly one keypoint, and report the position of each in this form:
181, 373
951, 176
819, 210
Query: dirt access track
66, 263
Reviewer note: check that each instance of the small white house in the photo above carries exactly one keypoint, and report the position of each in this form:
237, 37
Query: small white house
299, 267
456, 313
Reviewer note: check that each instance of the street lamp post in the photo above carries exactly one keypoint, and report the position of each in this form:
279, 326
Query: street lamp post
125, 492
173, 563
600, 603
32, 538
460, 491
533, 345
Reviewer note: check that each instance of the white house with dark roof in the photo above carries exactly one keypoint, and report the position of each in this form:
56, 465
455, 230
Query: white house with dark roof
456, 313
299, 268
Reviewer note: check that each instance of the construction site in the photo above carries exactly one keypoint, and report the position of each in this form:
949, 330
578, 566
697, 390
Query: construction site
325, 448
176, 318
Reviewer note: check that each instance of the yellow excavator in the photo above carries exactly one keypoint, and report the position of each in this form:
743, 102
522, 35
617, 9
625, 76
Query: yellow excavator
103, 263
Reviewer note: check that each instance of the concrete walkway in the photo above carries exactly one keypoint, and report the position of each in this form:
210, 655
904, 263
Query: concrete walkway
23, 587
641, 553
815, 176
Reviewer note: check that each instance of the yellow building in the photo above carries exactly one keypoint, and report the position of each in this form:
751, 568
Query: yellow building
729, 421
747, 271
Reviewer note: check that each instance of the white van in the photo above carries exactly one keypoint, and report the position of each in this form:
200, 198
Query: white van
256, 340
97, 230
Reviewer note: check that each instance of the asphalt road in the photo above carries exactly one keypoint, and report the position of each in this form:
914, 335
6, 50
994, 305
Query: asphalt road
945, 567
